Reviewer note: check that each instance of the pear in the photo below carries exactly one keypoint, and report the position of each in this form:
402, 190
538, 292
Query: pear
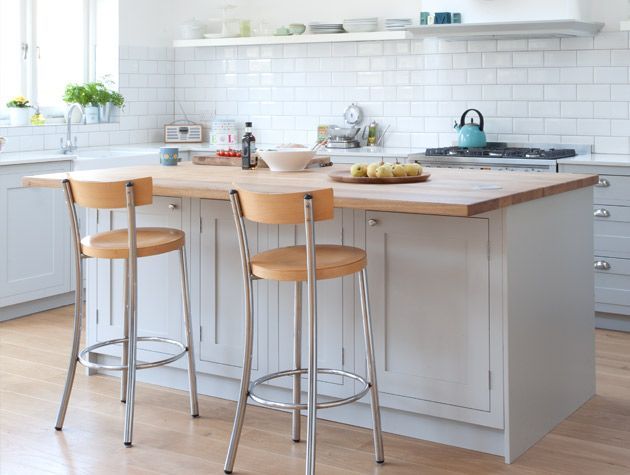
384, 171
399, 170
371, 169
413, 169
359, 170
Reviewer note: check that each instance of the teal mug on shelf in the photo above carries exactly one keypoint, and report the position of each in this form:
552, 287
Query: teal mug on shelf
169, 156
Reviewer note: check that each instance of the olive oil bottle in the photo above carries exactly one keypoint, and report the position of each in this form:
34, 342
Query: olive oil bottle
248, 151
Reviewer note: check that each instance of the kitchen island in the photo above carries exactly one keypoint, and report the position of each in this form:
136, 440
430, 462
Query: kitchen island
481, 287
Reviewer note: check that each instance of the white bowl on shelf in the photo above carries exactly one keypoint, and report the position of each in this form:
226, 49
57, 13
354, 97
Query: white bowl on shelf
287, 159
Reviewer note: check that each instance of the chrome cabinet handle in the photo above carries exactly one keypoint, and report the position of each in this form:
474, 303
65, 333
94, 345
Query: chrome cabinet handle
603, 183
372, 222
601, 265
601, 213
172, 206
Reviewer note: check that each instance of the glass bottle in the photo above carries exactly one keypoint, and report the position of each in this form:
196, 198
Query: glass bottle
248, 149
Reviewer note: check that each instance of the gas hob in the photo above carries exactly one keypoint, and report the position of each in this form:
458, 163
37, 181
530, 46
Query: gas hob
497, 156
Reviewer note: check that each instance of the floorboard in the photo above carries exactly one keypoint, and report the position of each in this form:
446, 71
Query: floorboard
33, 357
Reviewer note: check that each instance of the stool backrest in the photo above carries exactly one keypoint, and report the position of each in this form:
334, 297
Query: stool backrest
284, 208
111, 194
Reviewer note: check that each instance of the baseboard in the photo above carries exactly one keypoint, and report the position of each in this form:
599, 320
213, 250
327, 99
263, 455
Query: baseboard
612, 321
34, 306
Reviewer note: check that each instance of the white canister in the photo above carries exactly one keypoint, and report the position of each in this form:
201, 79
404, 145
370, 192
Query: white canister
20, 115
223, 133
91, 115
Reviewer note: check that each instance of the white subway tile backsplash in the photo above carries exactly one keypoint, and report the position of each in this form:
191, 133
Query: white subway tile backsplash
538, 76
577, 43
557, 59
497, 60
528, 92
557, 92
544, 109
581, 75
612, 145
467, 60
577, 109
611, 75
370, 48
538, 44
593, 92
482, 46
344, 49
571, 90
593, 58
610, 110
527, 59
611, 40
512, 76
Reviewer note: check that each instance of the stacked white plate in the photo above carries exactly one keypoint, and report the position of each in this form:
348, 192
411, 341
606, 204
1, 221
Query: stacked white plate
357, 25
397, 23
321, 27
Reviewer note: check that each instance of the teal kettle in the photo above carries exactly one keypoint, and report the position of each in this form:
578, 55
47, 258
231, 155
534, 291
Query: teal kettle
471, 135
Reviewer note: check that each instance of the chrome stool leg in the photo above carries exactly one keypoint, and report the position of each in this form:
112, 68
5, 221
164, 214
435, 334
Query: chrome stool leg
125, 348
76, 341
297, 360
312, 336
132, 347
245, 379
371, 368
192, 373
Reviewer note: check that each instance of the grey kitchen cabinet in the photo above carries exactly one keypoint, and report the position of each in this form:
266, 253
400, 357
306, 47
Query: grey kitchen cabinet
34, 237
335, 310
220, 295
445, 283
159, 295
611, 260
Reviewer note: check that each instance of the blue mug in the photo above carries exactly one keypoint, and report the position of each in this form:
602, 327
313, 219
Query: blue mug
169, 156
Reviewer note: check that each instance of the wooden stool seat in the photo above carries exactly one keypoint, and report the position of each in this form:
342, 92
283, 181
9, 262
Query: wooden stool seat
150, 242
289, 263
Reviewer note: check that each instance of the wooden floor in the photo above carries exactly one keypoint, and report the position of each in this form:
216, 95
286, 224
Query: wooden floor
33, 357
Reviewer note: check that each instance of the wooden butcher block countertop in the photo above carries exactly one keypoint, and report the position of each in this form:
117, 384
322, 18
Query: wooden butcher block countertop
449, 192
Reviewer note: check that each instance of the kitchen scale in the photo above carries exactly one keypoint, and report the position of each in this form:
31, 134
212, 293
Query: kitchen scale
344, 138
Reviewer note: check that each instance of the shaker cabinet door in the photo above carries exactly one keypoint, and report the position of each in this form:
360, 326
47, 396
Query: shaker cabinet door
335, 311
221, 298
429, 289
34, 237
159, 291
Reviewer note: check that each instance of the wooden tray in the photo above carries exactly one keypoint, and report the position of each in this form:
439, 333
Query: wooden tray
344, 176
213, 159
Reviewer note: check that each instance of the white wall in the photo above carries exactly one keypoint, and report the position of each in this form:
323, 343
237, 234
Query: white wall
146, 22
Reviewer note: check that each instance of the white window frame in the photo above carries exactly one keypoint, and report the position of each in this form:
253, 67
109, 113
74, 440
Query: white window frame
28, 13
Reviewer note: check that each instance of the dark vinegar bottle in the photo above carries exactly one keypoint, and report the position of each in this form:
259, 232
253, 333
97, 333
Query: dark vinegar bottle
248, 152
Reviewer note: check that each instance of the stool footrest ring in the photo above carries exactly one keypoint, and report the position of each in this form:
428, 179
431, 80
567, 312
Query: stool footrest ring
320, 405
88, 364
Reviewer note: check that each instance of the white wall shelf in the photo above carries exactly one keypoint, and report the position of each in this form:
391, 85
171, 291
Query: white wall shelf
294, 39
508, 30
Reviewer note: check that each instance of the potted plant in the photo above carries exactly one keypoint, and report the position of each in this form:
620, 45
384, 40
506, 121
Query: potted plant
88, 96
19, 110
110, 99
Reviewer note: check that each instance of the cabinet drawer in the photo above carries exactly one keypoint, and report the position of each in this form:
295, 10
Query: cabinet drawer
612, 230
613, 189
612, 286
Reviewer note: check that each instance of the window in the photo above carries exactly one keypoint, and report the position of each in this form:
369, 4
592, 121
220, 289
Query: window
46, 44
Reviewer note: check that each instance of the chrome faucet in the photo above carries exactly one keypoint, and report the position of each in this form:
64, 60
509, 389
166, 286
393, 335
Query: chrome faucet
69, 146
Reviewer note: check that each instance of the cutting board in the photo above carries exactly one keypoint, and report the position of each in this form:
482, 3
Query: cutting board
213, 159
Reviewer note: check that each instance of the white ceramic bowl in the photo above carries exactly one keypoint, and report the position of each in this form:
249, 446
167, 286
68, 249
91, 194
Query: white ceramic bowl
287, 159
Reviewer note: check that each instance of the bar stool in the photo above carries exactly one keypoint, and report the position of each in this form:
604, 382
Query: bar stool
299, 264
128, 244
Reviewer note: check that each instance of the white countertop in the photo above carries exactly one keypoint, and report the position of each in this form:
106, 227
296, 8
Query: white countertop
17, 158
598, 159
